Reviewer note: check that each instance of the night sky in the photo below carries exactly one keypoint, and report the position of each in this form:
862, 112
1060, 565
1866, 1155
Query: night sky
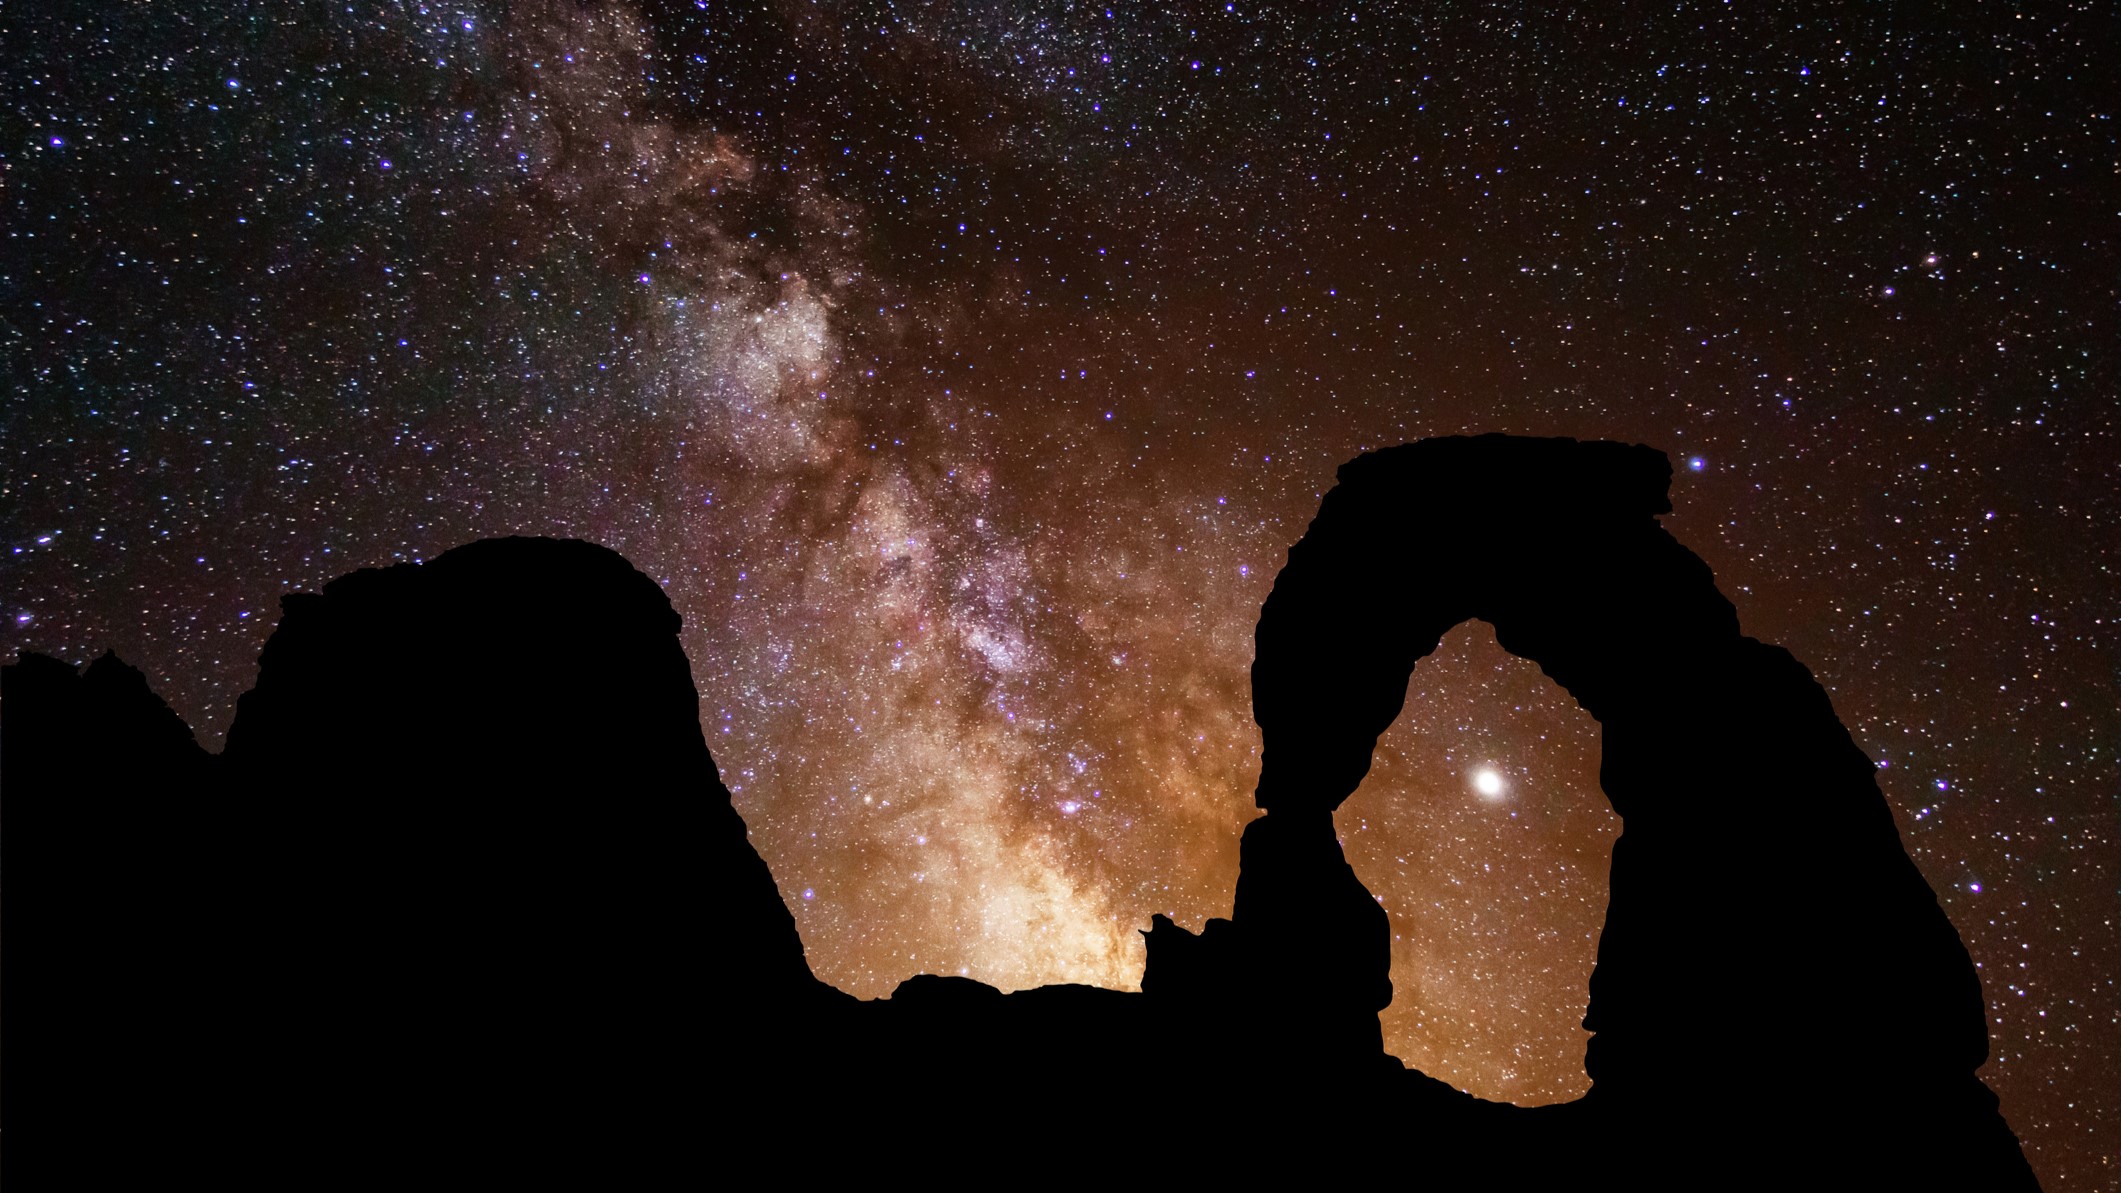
963, 372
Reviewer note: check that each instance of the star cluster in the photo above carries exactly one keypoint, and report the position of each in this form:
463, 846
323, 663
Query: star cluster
963, 371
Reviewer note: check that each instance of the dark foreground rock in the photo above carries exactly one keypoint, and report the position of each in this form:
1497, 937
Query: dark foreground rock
1778, 994
465, 899
464, 887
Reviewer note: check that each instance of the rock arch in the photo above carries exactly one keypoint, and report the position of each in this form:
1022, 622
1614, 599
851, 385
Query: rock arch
1770, 949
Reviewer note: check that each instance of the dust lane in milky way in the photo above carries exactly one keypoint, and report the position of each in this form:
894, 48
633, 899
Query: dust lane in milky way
964, 374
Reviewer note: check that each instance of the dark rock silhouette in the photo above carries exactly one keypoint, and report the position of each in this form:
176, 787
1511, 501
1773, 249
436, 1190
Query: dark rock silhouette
524, 703
465, 888
101, 783
465, 880
1298, 973
507, 845
1775, 980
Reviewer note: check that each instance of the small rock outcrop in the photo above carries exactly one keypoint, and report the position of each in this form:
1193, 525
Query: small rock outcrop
1293, 981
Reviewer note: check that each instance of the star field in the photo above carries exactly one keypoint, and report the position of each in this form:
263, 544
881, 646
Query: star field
964, 371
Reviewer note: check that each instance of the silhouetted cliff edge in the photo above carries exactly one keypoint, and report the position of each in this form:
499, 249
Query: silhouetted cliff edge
465, 895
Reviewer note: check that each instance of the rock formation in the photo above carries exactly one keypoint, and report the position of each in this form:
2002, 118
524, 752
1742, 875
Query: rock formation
1775, 979
102, 785
465, 895
465, 883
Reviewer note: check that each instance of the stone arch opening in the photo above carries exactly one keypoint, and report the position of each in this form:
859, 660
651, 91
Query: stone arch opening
1496, 892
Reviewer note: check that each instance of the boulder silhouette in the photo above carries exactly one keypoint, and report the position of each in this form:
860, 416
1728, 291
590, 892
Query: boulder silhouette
465, 895
482, 780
